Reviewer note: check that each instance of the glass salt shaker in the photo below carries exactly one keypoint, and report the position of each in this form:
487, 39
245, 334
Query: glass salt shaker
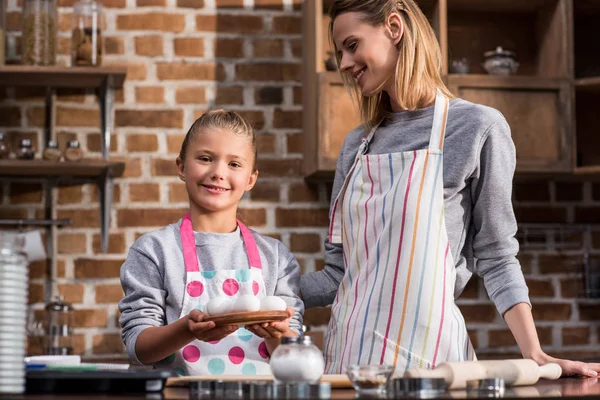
297, 360
4, 152
25, 150
73, 151
59, 327
86, 38
52, 152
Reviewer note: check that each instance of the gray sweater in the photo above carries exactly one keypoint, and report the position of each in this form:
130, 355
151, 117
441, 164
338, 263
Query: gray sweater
479, 163
153, 276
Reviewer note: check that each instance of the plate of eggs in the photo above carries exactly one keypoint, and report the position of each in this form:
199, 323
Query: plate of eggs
245, 310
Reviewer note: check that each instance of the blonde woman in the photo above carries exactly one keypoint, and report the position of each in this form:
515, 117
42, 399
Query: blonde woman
421, 200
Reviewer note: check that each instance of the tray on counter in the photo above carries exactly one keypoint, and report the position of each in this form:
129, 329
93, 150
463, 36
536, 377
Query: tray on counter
125, 381
337, 381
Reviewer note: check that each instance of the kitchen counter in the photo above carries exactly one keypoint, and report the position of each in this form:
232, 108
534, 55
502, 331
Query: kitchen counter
544, 389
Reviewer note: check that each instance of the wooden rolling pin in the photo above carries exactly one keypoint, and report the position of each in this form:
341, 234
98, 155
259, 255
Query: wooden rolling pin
516, 372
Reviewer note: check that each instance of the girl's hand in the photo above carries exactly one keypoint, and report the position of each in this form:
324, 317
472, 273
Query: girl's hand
273, 330
570, 367
206, 331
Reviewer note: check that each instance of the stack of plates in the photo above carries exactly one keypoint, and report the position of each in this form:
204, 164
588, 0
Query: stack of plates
13, 315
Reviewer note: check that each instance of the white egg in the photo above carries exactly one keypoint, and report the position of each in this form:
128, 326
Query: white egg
219, 305
272, 303
246, 303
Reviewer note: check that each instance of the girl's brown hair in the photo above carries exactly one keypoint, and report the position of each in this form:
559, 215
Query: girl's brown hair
220, 119
418, 69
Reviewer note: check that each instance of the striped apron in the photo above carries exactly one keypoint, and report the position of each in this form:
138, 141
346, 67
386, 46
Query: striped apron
395, 304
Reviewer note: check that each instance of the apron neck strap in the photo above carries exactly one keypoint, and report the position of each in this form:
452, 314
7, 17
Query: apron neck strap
188, 242
440, 116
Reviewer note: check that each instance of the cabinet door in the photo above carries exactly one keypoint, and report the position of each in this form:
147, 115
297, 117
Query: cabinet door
538, 111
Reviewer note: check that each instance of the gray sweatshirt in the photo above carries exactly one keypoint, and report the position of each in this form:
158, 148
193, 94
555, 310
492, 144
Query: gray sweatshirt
479, 163
153, 276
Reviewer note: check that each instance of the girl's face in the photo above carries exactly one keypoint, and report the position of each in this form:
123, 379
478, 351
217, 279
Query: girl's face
368, 53
217, 170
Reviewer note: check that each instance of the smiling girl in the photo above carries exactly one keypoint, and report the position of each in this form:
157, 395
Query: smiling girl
171, 274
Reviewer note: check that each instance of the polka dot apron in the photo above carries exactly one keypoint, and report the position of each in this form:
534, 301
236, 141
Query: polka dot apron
240, 353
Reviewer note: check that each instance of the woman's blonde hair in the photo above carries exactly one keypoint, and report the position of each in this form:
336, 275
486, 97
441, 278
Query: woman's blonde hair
220, 119
418, 69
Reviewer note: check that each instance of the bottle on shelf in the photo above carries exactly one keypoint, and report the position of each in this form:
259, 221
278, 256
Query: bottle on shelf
86, 38
73, 151
39, 39
25, 150
4, 152
52, 152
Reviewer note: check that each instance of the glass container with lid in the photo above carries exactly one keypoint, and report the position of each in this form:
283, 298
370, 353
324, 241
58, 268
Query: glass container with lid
87, 45
59, 327
39, 36
297, 360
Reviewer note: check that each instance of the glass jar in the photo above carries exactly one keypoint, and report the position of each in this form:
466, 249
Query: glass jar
4, 152
39, 32
297, 360
86, 38
73, 151
59, 327
2, 32
25, 150
52, 152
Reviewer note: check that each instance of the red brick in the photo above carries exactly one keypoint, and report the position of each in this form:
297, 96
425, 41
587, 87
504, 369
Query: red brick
87, 268
588, 215
532, 191
63, 47
116, 194
151, 46
228, 48
190, 71
305, 243
13, 213
229, 95
287, 119
13, 22
302, 193
289, 167
540, 288
559, 264
254, 118
150, 118
34, 116
71, 243
23, 193
72, 292
269, 48
144, 192
268, 4
526, 261
268, 72
151, 3
190, 3
108, 343
265, 191
133, 168
61, 269
287, 25
190, 95
305, 217
253, 217
30, 93
164, 167
128, 218
569, 191
105, 3
174, 142
229, 3
114, 45
151, 21
177, 193
108, 293
135, 71
90, 318
116, 244
317, 316
94, 142
268, 95
575, 335
571, 288
188, 47
10, 116
478, 313
142, 143
64, 21
589, 312
77, 117
150, 94
504, 338
206, 23
297, 95
266, 143
81, 218
72, 95
295, 143
222, 23
471, 291
551, 311
36, 293
541, 214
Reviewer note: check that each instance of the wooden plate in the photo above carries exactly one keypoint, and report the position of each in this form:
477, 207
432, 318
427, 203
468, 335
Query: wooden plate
248, 318
338, 381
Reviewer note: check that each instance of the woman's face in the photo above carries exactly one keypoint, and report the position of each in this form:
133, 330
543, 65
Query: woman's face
368, 53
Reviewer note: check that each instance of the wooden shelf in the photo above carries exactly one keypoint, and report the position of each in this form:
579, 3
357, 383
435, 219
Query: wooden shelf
591, 84
84, 169
66, 77
498, 5
513, 81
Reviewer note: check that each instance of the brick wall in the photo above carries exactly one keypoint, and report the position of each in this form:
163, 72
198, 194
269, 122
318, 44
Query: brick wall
184, 56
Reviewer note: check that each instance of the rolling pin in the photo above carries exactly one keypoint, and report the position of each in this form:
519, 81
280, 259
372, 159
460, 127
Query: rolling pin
516, 372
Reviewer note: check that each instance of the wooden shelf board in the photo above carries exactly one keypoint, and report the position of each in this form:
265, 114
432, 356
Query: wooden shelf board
585, 84
75, 77
498, 5
42, 168
513, 81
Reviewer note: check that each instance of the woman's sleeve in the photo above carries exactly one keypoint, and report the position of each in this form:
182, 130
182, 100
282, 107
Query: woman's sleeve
494, 244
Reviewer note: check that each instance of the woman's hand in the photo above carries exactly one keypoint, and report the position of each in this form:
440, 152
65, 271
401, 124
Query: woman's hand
206, 331
570, 367
273, 330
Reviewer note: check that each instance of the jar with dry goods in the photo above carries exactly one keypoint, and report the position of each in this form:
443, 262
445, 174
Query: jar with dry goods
86, 36
2, 32
39, 37
73, 151
52, 152
4, 152
25, 150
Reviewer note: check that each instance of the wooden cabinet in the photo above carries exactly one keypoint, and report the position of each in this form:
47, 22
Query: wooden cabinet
549, 102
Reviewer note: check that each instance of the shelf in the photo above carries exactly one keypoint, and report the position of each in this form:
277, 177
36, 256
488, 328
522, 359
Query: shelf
513, 81
64, 77
512, 6
90, 169
587, 84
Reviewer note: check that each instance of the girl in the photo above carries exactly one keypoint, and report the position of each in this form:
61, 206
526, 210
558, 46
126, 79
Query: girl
170, 274
421, 200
